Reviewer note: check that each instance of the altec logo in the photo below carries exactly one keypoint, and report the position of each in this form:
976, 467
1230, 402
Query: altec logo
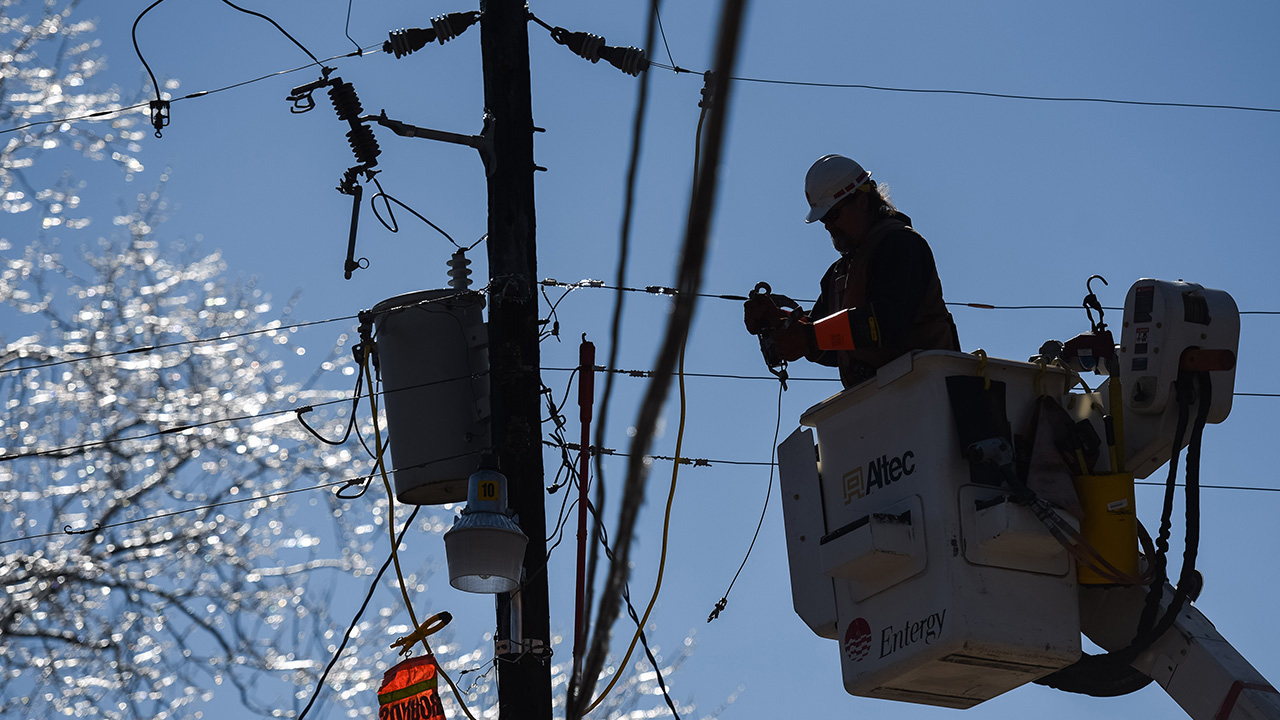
881, 472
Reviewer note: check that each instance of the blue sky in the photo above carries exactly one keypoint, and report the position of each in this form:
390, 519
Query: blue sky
1021, 201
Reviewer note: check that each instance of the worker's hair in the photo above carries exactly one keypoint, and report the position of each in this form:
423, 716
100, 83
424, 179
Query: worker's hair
886, 206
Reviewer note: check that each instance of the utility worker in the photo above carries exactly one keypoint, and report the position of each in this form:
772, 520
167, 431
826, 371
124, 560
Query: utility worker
886, 278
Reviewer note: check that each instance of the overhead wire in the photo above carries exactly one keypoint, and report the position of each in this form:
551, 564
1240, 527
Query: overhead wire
370, 50
373, 586
662, 556
421, 631
635, 618
219, 338
394, 227
675, 466
179, 343
978, 93
269, 497
575, 701
689, 278
374, 48
346, 29
724, 599
63, 451
70, 450
548, 282
314, 59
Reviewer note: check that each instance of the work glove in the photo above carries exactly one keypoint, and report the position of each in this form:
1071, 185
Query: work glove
760, 314
795, 339
763, 312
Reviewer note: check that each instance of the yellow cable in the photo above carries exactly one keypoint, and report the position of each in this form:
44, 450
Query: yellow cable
380, 464
675, 466
662, 561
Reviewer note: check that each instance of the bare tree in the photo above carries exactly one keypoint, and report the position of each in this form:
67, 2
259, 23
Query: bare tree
175, 591
47, 65
168, 529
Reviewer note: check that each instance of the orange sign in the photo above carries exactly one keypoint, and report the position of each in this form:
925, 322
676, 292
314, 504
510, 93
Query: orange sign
408, 691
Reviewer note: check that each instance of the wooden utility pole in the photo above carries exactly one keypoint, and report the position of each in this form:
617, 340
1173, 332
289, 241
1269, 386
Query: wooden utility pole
523, 638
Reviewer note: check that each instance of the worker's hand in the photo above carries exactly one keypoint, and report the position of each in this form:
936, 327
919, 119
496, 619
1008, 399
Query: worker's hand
760, 314
795, 339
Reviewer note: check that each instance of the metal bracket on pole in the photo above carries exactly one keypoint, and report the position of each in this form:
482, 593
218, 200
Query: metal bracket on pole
482, 142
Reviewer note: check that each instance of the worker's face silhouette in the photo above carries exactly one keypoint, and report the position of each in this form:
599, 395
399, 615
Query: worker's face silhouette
848, 222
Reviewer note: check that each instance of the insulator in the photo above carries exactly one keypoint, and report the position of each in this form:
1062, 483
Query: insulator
450, 26
708, 90
403, 42
364, 145
630, 60
443, 28
159, 115
584, 45
345, 101
459, 270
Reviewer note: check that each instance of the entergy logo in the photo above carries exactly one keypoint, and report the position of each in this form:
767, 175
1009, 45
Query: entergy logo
857, 639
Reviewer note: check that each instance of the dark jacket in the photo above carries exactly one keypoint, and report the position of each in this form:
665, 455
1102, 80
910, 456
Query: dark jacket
891, 273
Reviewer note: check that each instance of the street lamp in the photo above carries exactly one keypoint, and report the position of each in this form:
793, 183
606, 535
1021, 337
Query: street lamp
485, 546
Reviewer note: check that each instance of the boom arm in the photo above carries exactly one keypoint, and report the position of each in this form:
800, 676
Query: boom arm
1194, 664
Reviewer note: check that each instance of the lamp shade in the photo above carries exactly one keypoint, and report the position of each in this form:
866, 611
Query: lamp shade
485, 547
485, 551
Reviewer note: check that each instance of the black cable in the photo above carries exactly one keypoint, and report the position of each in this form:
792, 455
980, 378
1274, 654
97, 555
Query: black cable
631, 611
162, 346
1188, 578
663, 32
190, 96
351, 422
277, 25
724, 600
1183, 390
220, 338
1111, 674
577, 700
70, 450
346, 29
160, 516
689, 278
138, 50
1006, 96
373, 586
387, 199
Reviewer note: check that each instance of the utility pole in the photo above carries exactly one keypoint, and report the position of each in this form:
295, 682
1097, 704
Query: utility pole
524, 680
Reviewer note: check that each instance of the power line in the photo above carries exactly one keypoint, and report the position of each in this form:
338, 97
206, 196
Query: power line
978, 93
370, 50
219, 338
196, 341
268, 496
709, 462
159, 516
673, 292
70, 450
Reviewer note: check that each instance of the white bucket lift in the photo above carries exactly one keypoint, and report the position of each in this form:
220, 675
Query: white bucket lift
433, 356
938, 591
940, 584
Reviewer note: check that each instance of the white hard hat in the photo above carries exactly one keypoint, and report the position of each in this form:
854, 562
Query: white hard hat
829, 181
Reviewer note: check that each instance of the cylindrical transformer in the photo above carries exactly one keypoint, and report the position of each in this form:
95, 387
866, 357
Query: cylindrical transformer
1109, 523
433, 356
